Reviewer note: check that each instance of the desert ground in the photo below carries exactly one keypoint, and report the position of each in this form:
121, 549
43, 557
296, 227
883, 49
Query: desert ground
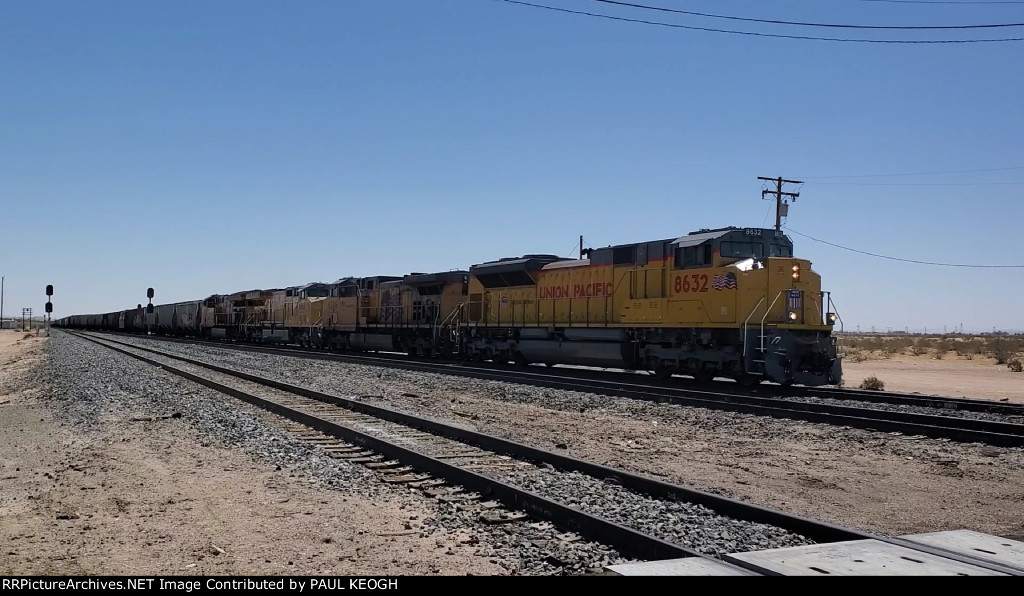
133, 496
979, 367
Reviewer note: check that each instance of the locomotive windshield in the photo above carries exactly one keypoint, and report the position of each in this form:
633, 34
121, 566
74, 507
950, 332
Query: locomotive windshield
781, 250
742, 249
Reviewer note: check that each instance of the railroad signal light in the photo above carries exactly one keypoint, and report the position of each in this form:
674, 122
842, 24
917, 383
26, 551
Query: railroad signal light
49, 290
149, 309
49, 307
149, 293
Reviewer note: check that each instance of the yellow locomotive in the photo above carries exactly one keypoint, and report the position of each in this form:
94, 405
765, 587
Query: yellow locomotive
729, 302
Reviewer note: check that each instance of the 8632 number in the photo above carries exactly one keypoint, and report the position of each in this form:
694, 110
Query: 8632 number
697, 282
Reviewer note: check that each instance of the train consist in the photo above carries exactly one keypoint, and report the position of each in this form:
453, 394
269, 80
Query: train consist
729, 302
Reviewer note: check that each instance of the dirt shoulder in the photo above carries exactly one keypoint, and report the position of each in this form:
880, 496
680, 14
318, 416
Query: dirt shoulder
979, 378
880, 482
136, 497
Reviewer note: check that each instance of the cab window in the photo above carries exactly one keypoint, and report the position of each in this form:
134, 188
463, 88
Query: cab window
742, 250
693, 256
781, 250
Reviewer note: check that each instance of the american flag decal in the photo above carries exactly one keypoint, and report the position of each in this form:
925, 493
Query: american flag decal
724, 282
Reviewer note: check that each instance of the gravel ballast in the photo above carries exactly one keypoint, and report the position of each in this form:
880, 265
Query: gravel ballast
850, 477
689, 525
90, 385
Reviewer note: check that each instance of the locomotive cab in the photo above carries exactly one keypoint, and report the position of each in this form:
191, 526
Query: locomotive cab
773, 301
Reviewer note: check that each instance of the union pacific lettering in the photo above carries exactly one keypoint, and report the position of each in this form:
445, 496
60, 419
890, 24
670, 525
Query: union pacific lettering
591, 290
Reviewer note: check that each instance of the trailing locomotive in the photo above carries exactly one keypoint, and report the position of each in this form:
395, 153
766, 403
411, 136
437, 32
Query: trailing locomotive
729, 302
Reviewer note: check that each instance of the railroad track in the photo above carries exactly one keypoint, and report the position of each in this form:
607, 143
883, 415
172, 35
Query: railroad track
961, 404
637, 378
956, 428
447, 462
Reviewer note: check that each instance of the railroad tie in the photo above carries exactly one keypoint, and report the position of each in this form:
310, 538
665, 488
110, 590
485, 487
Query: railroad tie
493, 517
381, 465
406, 478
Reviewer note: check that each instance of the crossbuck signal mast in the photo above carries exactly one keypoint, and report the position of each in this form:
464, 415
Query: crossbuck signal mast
781, 198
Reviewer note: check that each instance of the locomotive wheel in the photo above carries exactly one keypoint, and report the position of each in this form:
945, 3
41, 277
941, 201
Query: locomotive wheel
520, 360
663, 372
704, 376
747, 380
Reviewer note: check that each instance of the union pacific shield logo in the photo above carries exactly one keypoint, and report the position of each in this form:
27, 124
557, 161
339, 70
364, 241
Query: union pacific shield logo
724, 282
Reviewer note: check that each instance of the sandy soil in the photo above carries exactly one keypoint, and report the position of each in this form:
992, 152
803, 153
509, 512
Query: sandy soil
878, 482
151, 498
872, 481
980, 378
19, 352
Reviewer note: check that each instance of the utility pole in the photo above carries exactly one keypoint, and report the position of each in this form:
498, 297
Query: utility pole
581, 247
1, 302
781, 207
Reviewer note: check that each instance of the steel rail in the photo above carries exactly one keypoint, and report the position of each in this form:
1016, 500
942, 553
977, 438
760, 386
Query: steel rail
907, 399
628, 541
818, 531
968, 430
637, 378
606, 531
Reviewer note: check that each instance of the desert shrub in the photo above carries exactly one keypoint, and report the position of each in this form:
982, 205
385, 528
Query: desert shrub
870, 344
873, 383
943, 345
900, 344
968, 348
1000, 349
939, 354
891, 348
920, 347
1015, 365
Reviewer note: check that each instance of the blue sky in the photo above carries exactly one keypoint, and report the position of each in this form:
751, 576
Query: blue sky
209, 147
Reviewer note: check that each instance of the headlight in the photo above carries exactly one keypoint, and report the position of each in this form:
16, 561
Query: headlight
792, 316
833, 317
796, 272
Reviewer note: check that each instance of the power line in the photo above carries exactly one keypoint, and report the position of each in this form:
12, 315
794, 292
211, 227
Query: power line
805, 24
917, 173
871, 254
757, 34
948, 1
916, 183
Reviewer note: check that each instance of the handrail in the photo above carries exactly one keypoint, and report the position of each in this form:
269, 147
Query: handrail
745, 326
766, 313
832, 308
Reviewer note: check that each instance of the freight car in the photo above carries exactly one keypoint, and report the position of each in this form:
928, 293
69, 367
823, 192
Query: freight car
728, 302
